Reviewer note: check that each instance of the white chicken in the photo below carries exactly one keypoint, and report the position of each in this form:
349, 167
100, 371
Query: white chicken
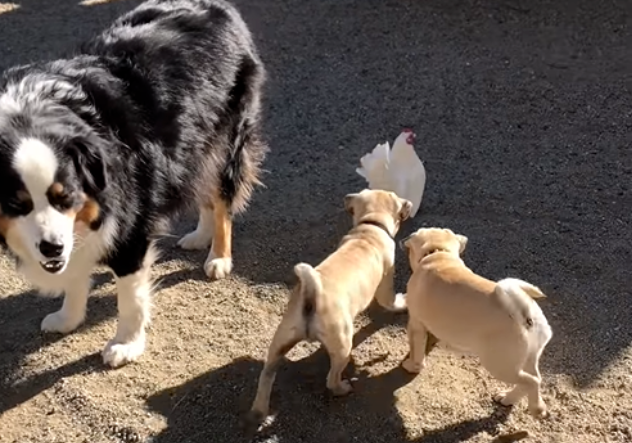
398, 170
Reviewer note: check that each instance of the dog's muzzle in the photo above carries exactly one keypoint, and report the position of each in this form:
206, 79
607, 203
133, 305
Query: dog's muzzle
53, 252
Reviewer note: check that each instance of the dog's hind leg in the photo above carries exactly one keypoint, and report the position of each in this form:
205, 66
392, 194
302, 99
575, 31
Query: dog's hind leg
338, 343
417, 341
287, 335
523, 374
203, 234
219, 262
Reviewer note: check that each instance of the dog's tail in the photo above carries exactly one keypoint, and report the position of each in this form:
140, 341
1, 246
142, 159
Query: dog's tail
310, 287
532, 291
246, 150
515, 297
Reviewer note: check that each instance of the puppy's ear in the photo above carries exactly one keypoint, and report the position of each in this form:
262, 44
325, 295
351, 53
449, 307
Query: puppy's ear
403, 243
89, 164
348, 200
404, 212
462, 242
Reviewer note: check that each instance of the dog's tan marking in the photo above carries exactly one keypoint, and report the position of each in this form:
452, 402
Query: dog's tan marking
5, 225
89, 213
222, 229
56, 190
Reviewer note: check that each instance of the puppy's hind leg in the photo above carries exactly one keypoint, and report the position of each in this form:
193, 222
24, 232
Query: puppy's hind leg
417, 342
203, 234
509, 370
288, 334
338, 343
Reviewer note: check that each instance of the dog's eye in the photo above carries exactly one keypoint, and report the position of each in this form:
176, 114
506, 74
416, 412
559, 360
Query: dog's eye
19, 205
62, 201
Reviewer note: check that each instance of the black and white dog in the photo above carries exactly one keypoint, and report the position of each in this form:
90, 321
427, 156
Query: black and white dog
98, 151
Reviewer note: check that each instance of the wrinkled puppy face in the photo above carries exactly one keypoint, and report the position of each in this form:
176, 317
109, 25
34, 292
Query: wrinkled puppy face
427, 240
41, 199
380, 204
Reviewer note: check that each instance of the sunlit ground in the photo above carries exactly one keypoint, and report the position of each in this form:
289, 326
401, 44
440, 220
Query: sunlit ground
8, 7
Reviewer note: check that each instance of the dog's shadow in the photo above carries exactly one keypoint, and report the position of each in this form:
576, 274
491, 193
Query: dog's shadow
213, 406
20, 318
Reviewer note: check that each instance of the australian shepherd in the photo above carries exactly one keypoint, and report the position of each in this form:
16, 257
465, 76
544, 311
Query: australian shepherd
98, 151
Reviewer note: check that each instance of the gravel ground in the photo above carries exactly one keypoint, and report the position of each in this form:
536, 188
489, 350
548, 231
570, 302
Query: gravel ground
522, 110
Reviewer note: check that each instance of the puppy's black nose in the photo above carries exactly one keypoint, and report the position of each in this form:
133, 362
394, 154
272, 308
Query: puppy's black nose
50, 250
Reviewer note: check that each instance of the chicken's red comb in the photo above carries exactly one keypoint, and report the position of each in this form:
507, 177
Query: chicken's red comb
411, 135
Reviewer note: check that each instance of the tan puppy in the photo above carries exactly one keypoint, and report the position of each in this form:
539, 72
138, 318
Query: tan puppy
327, 298
497, 321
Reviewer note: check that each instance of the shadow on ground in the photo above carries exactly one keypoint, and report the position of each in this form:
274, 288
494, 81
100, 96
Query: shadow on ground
216, 403
20, 318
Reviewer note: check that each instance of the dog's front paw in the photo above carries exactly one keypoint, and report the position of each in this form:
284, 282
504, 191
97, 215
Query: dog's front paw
197, 239
411, 366
60, 322
503, 398
117, 354
539, 411
399, 302
254, 420
218, 268
342, 388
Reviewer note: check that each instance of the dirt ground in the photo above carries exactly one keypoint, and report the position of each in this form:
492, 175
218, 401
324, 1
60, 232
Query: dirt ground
523, 115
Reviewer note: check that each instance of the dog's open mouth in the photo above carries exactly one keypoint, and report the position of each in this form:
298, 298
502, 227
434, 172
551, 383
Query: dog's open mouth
53, 266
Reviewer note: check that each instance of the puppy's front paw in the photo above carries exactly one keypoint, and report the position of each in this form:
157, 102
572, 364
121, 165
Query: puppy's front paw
504, 398
197, 239
60, 322
343, 388
254, 420
117, 354
218, 268
539, 411
399, 303
411, 366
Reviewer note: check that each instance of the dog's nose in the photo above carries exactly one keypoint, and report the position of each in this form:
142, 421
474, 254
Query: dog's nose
50, 250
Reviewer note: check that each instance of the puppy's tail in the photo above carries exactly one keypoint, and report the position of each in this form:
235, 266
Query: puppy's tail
531, 290
515, 296
246, 151
310, 287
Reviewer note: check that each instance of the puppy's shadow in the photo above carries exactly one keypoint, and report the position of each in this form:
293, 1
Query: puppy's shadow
212, 407
20, 318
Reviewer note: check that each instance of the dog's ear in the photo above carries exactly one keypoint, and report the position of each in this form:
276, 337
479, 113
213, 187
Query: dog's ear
404, 212
462, 242
348, 200
89, 164
403, 243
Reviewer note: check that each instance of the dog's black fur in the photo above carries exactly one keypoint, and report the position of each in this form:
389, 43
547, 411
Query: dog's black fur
159, 111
